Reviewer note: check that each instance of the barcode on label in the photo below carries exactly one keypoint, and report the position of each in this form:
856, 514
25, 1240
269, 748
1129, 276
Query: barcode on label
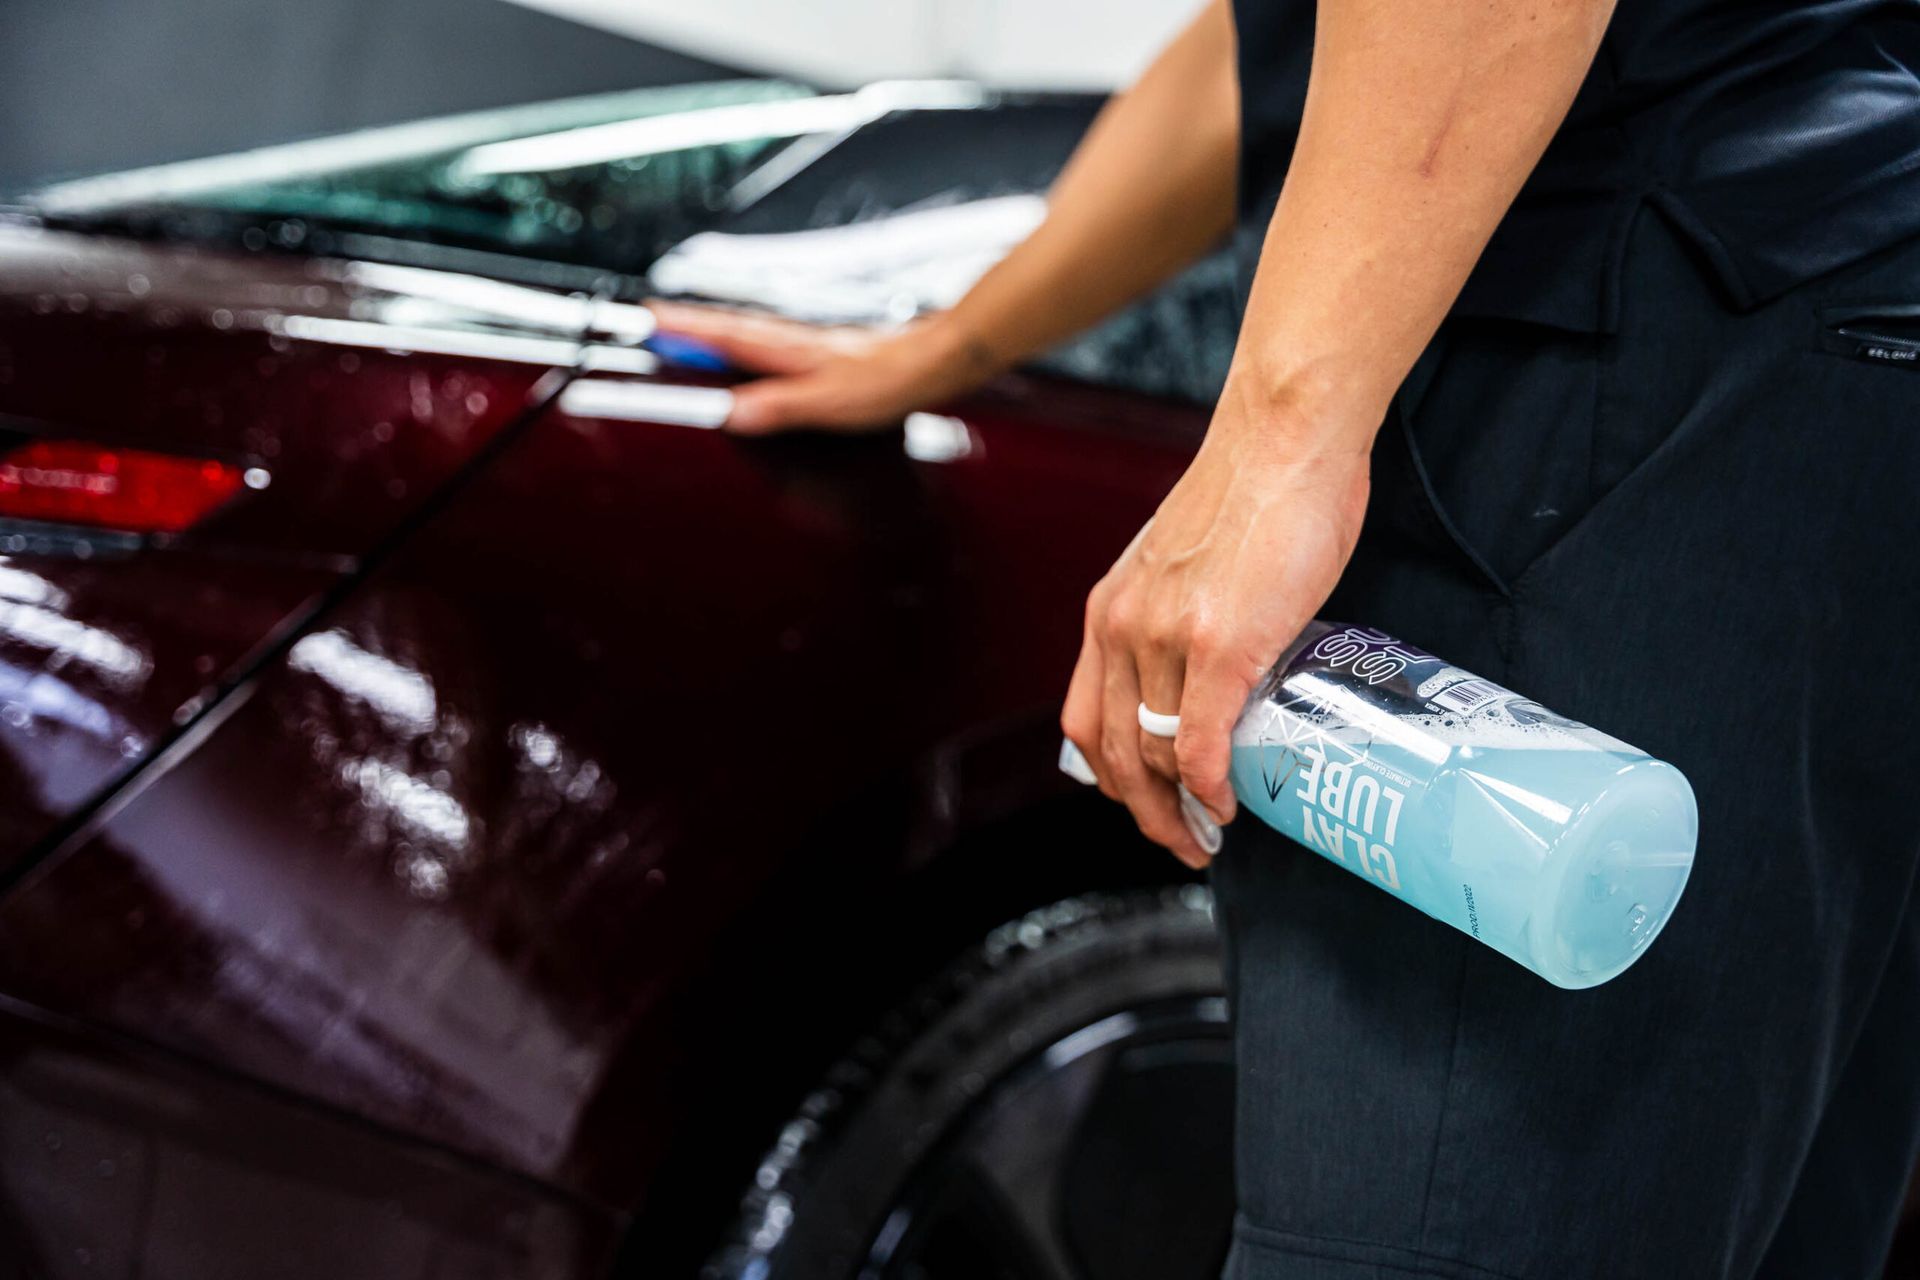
1468, 696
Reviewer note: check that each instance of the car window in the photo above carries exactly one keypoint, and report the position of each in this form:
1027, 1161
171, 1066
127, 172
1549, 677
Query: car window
606, 181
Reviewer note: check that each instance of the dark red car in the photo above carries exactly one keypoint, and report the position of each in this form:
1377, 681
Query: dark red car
455, 823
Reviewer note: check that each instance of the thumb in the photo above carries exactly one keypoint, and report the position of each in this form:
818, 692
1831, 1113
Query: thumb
764, 344
775, 404
833, 399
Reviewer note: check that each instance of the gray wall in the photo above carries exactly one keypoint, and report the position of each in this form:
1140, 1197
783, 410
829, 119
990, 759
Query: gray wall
91, 85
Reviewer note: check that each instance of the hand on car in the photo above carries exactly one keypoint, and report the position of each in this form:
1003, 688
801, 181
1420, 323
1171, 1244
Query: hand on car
827, 378
1231, 568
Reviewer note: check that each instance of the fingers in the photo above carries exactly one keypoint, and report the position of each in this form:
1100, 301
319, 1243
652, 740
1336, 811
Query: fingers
1151, 797
1216, 690
1162, 668
831, 379
1093, 706
1163, 657
822, 401
762, 344
1080, 714
773, 404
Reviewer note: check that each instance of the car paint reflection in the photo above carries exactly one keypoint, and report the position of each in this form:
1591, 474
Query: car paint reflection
32, 699
400, 695
62, 642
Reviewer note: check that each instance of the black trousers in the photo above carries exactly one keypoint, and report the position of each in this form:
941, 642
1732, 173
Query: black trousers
1701, 535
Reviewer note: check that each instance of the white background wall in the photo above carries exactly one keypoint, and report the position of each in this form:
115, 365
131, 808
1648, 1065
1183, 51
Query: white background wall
1049, 44
93, 85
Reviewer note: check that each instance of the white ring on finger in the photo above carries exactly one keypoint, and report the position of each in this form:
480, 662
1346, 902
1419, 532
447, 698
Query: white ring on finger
1158, 723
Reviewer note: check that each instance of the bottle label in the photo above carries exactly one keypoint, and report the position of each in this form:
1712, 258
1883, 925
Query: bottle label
1353, 724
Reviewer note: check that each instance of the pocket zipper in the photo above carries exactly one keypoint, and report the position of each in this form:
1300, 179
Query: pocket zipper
1850, 332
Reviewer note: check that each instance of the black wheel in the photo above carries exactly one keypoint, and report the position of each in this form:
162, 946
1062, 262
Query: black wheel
1056, 1106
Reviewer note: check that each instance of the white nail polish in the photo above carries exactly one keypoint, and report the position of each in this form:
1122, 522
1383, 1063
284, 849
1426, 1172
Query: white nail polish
1200, 823
1074, 765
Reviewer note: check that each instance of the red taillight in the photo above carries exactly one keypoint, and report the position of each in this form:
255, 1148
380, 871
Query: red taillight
72, 482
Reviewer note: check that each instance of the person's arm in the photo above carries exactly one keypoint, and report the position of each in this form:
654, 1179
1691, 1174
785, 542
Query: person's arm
1422, 121
1149, 190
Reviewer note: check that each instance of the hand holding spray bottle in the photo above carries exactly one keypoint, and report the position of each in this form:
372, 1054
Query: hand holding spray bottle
1558, 846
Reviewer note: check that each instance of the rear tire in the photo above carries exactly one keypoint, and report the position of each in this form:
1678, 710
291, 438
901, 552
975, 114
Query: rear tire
1056, 1106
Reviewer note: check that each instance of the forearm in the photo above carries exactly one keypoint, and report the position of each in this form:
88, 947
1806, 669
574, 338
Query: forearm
1422, 121
1149, 190
1423, 118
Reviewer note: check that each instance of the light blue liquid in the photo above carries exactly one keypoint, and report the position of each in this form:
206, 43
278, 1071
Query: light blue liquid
1560, 848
